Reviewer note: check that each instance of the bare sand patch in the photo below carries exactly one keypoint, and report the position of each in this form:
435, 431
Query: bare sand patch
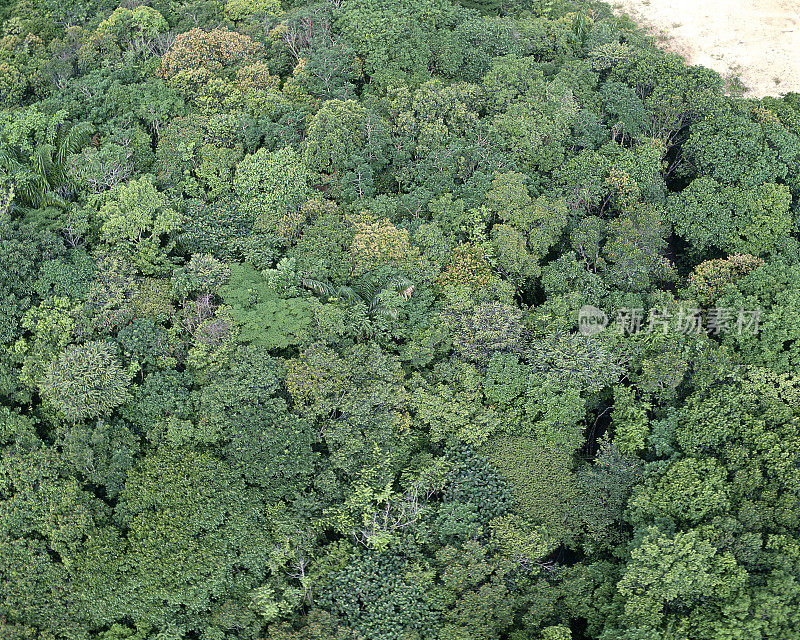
756, 40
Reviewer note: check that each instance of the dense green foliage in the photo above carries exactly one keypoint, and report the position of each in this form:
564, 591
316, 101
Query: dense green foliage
289, 327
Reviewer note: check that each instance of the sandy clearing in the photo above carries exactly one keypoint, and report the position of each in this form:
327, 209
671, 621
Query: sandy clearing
758, 40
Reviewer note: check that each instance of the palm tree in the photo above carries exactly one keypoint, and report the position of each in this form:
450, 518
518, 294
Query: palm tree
42, 180
367, 293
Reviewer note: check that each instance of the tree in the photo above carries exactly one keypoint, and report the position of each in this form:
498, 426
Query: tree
604, 487
203, 274
468, 267
111, 293
489, 328
635, 249
101, 453
270, 446
379, 595
471, 593
44, 521
753, 220
102, 168
772, 291
326, 71
269, 186
342, 137
439, 142
262, 316
50, 328
257, 12
688, 491
135, 212
708, 279
358, 403
189, 521
136, 219
377, 243
126, 30
195, 65
177, 153
38, 168
450, 404
486, 7
395, 41
534, 129
318, 625
543, 483
379, 300
628, 115
674, 95
211, 50
533, 226
219, 229
734, 150
86, 381
24, 249
668, 574
512, 255
12, 86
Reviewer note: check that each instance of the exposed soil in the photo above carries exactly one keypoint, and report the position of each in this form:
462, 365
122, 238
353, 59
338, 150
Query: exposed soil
756, 40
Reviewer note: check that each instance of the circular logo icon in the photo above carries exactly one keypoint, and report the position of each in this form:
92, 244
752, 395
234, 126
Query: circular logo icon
591, 320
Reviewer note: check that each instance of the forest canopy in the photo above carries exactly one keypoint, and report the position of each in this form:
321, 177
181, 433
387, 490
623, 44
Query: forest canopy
391, 320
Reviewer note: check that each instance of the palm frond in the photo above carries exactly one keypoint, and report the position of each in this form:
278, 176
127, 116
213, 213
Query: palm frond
386, 312
75, 138
42, 163
368, 292
26, 191
349, 294
10, 162
318, 287
51, 199
18, 211
31, 188
402, 285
